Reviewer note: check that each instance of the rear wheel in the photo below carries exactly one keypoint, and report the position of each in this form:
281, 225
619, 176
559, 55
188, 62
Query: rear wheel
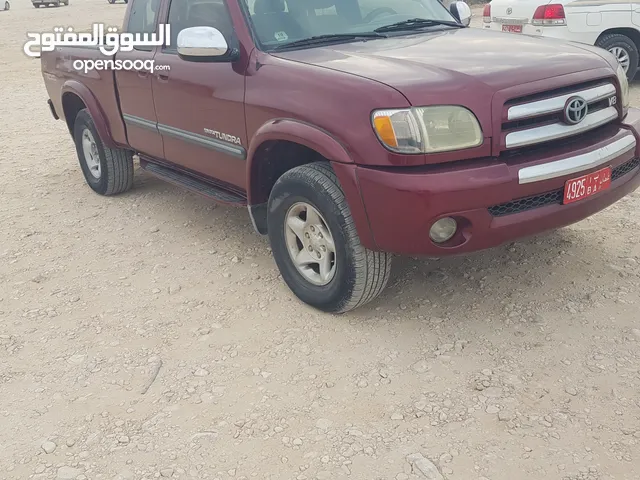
7, 5
108, 171
315, 244
624, 49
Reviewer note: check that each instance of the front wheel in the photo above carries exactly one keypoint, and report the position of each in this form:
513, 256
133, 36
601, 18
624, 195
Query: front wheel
624, 49
7, 5
315, 243
108, 171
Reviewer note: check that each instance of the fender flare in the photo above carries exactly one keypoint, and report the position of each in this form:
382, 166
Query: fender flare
92, 104
294, 131
325, 144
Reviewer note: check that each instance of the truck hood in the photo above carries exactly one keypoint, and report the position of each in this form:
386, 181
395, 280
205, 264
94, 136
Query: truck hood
432, 66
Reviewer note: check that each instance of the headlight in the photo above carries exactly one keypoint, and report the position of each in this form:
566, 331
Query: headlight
624, 86
427, 129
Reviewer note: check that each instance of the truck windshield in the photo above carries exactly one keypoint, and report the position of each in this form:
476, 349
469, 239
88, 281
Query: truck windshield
278, 23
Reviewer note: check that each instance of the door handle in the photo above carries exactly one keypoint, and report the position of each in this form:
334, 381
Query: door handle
142, 73
163, 77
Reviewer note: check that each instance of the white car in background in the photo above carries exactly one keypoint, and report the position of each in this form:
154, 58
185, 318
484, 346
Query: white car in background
609, 24
5, 5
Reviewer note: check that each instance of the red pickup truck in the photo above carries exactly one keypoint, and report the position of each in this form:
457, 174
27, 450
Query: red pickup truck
355, 130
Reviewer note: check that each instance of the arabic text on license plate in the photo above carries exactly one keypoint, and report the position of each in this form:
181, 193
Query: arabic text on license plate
579, 188
512, 28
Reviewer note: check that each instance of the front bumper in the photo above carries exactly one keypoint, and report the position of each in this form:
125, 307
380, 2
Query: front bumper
496, 201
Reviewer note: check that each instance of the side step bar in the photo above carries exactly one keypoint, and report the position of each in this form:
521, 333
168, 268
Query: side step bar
194, 184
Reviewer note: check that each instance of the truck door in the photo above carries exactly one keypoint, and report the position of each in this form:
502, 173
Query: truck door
200, 105
135, 86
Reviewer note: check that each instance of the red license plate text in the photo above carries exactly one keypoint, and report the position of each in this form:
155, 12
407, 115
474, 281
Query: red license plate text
512, 28
577, 189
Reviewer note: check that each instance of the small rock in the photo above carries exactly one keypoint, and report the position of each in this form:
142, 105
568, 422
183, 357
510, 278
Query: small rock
636, 332
505, 416
324, 424
76, 359
571, 391
421, 465
487, 372
397, 416
68, 473
173, 289
166, 472
235, 260
421, 366
492, 409
493, 392
363, 383
154, 229
123, 439
49, 447
201, 372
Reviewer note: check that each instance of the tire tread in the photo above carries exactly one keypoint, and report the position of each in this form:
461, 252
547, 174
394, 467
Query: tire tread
372, 268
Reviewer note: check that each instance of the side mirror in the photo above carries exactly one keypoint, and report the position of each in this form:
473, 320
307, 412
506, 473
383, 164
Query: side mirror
204, 44
462, 12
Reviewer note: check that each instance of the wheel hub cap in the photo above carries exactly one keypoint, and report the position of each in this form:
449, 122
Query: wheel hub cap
622, 55
310, 243
90, 151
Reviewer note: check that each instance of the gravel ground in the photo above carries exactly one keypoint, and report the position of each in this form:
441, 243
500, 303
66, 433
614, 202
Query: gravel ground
149, 335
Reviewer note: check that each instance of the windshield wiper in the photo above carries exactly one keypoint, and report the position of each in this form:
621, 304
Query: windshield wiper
416, 23
319, 39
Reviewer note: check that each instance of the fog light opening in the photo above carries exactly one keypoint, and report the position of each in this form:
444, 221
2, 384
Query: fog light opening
443, 230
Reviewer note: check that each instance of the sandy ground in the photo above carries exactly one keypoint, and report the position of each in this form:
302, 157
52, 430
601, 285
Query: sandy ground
518, 363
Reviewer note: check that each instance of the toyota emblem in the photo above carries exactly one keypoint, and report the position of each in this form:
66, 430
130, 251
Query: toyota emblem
509, 11
575, 110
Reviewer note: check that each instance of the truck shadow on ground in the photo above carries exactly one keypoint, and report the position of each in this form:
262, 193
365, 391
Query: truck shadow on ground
565, 264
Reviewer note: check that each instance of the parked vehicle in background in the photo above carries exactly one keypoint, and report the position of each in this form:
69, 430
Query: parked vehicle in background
610, 24
114, 1
6, 5
357, 131
47, 3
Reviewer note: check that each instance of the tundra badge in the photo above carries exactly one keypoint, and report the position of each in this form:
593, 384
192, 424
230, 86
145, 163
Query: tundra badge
223, 136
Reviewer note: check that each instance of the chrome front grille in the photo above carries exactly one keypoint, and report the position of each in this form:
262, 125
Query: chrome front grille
538, 119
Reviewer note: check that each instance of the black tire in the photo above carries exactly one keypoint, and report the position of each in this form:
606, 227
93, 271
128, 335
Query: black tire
360, 274
37, 5
7, 5
617, 40
116, 164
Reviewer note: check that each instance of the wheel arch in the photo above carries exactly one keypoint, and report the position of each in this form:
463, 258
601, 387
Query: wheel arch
75, 97
632, 33
282, 144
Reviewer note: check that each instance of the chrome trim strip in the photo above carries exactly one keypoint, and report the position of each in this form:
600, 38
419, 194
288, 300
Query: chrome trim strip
140, 122
578, 163
546, 133
555, 104
202, 141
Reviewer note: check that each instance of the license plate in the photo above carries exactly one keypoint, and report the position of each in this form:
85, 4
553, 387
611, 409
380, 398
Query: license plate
577, 189
512, 28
